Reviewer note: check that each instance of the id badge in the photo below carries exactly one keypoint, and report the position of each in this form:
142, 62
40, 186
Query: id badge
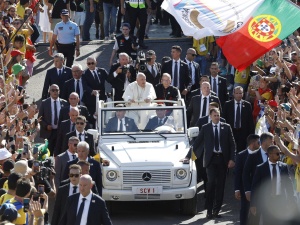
244, 75
202, 48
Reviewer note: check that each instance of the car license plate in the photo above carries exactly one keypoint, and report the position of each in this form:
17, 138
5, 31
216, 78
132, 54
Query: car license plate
147, 190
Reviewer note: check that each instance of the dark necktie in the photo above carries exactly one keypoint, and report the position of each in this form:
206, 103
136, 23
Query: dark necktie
176, 75
74, 189
80, 211
73, 127
274, 180
80, 136
238, 116
77, 88
216, 138
204, 107
96, 78
160, 122
215, 85
74, 156
59, 73
153, 71
121, 126
55, 113
191, 72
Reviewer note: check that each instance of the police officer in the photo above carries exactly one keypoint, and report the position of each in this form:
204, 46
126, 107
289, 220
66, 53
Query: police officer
125, 43
66, 37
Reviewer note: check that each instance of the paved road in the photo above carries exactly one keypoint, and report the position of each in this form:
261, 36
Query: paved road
139, 213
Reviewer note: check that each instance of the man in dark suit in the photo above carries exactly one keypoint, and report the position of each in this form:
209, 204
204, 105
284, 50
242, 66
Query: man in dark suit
121, 123
74, 212
157, 120
57, 75
49, 113
153, 71
165, 91
253, 144
95, 168
194, 68
272, 190
237, 113
62, 159
203, 78
199, 105
216, 142
120, 75
65, 191
74, 101
81, 134
218, 83
78, 84
178, 70
95, 78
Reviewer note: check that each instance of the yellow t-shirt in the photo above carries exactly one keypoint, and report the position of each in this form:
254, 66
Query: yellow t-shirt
5, 197
242, 77
25, 33
20, 10
22, 218
202, 45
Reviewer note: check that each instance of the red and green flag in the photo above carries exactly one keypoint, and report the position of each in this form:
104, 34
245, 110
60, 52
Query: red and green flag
272, 22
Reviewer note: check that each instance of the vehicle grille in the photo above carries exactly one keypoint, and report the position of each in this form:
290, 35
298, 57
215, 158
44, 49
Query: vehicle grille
155, 196
135, 178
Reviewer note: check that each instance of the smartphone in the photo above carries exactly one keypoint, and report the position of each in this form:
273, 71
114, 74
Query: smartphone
41, 188
35, 150
26, 204
277, 131
257, 78
13, 149
35, 196
36, 166
28, 133
25, 148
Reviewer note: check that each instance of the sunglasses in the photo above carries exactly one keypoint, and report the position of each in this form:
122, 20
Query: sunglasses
73, 175
80, 123
91, 63
193, 54
75, 145
54, 90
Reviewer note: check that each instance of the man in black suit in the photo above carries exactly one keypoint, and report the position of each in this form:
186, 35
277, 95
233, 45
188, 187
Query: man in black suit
218, 83
178, 70
49, 113
95, 168
272, 190
81, 134
158, 120
199, 105
253, 144
121, 123
203, 78
75, 212
57, 75
74, 101
165, 91
194, 68
237, 113
120, 75
62, 159
153, 71
216, 142
65, 191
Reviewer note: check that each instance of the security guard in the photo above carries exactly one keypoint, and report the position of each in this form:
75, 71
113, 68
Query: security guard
66, 37
125, 43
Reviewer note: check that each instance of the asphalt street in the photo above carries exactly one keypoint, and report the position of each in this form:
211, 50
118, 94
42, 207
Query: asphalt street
139, 213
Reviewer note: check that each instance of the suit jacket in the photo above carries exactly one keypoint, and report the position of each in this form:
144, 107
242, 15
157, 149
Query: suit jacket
64, 113
170, 93
118, 82
53, 78
60, 202
239, 167
252, 161
95, 172
184, 75
60, 165
197, 74
193, 111
153, 123
88, 138
97, 213
112, 125
149, 77
69, 87
222, 89
204, 143
63, 128
46, 114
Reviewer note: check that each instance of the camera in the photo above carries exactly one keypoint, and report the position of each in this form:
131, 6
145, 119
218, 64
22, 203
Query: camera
141, 61
46, 168
125, 69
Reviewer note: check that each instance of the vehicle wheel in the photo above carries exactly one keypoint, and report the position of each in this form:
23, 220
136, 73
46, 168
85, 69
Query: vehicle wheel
189, 206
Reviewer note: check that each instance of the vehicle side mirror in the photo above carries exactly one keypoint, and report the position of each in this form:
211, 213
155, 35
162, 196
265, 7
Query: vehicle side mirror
193, 132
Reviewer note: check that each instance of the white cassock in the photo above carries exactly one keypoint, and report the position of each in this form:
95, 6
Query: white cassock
137, 93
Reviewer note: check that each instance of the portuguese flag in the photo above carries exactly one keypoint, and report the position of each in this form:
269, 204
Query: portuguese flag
273, 21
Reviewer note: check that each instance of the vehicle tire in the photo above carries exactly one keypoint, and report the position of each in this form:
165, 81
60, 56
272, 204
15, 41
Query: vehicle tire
189, 206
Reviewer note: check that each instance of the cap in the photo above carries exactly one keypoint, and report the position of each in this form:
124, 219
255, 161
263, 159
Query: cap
15, 53
126, 25
293, 52
64, 12
4, 154
21, 167
273, 103
8, 165
17, 68
8, 212
286, 106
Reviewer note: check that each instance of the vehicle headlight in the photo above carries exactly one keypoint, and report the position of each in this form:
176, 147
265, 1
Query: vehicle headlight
181, 174
111, 175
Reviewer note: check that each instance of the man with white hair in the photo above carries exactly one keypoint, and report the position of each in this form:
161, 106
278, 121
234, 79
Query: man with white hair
165, 91
85, 207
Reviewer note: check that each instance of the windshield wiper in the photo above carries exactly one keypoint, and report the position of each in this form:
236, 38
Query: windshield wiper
130, 136
160, 135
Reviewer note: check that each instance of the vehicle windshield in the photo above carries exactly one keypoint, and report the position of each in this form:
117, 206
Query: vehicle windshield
162, 120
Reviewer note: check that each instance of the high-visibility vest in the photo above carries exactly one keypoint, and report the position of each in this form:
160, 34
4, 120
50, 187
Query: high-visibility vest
137, 4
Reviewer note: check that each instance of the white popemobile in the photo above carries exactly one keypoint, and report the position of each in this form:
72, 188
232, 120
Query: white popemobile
145, 163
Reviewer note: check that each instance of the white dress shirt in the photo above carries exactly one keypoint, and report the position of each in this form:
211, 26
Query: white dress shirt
71, 155
207, 105
80, 87
173, 71
61, 69
85, 212
218, 126
52, 112
71, 189
235, 108
82, 135
212, 82
123, 123
193, 70
278, 182
263, 155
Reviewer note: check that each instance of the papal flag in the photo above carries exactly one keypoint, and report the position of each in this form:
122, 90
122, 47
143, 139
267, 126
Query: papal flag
201, 18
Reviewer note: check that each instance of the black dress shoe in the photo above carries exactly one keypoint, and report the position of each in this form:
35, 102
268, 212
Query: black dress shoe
209, 216
97, 35
217, 215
